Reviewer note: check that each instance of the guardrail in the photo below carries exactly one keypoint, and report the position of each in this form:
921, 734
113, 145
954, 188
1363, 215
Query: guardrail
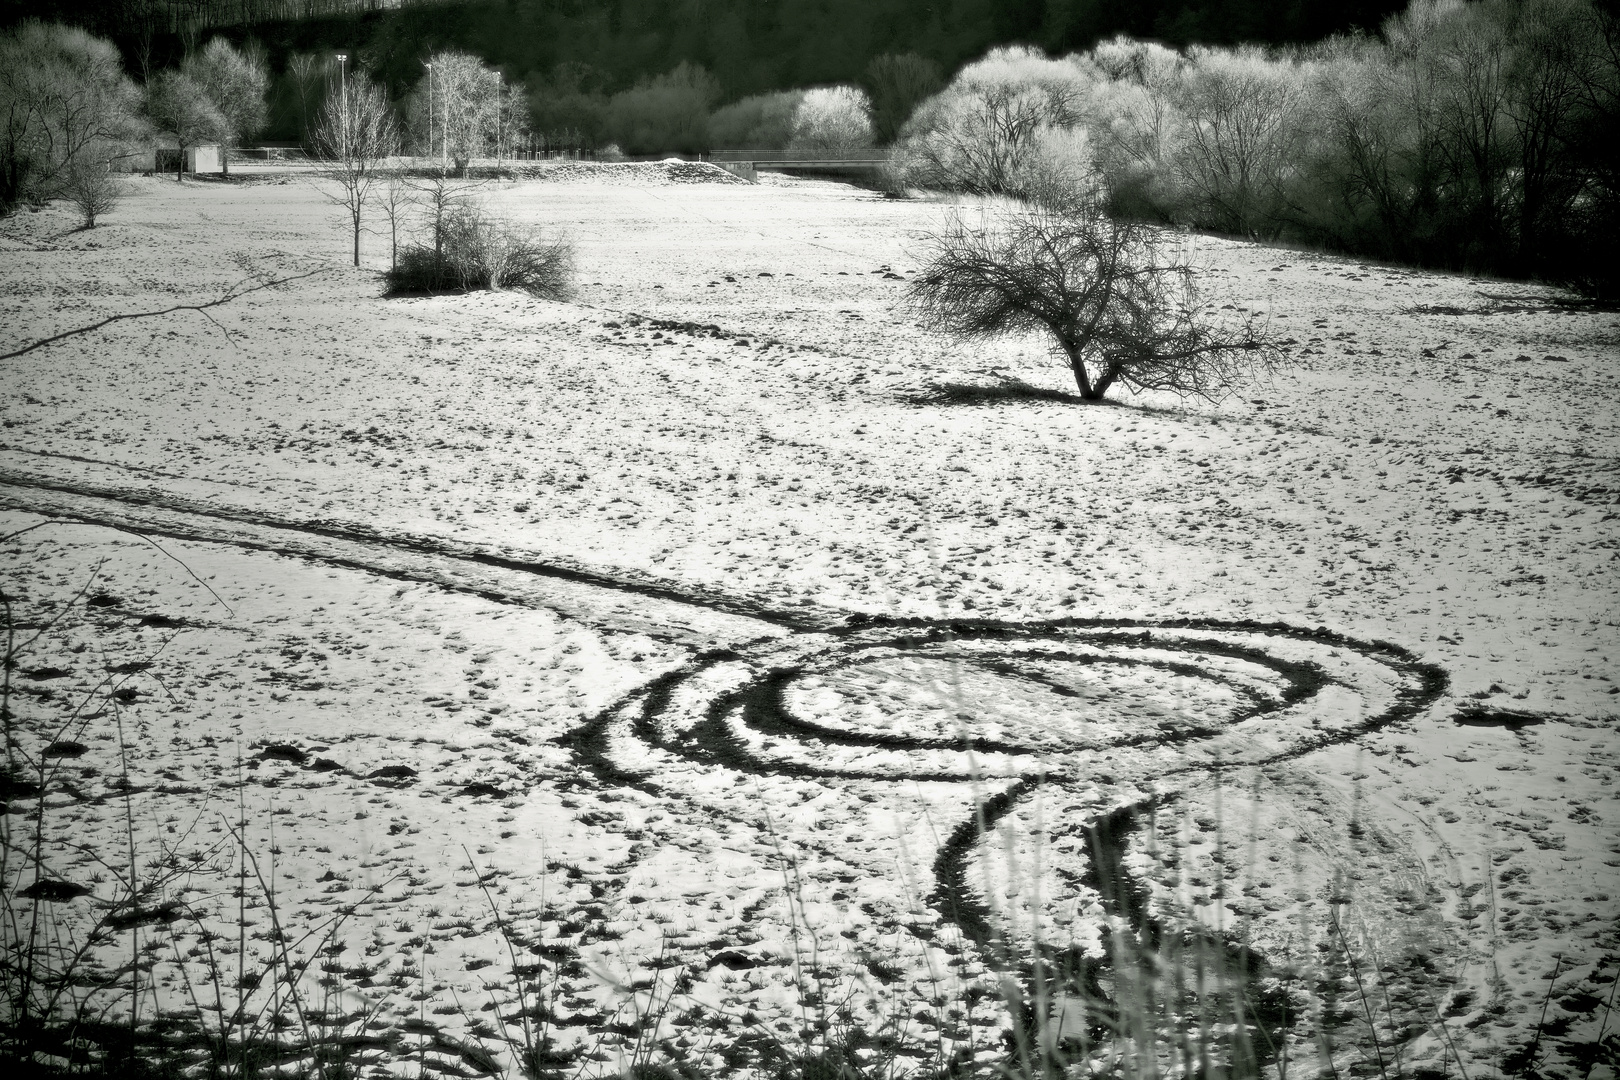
862, 155
805, 161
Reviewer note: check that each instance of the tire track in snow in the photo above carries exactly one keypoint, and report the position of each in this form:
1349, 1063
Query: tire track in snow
732, 711
675, 723
689, 616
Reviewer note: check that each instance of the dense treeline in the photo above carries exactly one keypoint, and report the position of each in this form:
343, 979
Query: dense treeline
1477, 134
750, 46
1482, 136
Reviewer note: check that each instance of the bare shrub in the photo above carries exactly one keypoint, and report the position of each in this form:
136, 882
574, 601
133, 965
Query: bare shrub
91, 186
1115, 307
477, 250
506, 256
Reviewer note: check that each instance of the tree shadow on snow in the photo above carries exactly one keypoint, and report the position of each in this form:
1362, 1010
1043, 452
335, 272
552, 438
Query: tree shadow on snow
1004, 391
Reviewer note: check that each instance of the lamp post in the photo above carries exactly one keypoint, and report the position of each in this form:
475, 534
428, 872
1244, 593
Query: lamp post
343, 100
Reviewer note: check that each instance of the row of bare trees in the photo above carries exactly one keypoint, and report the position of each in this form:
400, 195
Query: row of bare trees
1476, 135
463, 109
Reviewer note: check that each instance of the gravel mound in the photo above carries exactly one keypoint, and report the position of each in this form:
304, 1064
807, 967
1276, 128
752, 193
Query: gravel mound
636, 173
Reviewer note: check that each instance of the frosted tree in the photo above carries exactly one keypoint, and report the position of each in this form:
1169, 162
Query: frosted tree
64, 100
978, 133
235, 82
464, 98
832, 118
181, 108
1242, 112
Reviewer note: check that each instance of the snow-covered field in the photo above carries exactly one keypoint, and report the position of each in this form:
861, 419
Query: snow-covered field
684, 626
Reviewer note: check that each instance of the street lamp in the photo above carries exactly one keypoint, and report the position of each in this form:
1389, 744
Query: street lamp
343, 100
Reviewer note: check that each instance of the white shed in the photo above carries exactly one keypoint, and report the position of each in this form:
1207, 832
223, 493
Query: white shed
199, 159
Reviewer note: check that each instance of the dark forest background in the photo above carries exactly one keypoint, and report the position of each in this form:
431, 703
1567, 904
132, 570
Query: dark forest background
750, 46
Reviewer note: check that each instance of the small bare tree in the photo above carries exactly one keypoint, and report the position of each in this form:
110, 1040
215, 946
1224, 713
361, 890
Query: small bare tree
1116, 308
355, 134
395, 199
91, 185
440, 198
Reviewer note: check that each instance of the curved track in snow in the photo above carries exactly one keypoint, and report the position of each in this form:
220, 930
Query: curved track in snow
1128, 711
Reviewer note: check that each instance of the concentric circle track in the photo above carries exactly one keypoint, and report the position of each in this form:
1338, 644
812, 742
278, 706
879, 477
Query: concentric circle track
1118, 715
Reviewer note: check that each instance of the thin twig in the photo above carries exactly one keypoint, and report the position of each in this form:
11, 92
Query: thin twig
233, 293
137, 535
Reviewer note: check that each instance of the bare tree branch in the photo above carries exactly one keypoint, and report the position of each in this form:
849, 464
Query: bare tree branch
1115, 308
233, 293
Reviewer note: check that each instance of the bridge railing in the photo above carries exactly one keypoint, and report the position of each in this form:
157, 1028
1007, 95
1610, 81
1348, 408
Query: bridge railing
760, 157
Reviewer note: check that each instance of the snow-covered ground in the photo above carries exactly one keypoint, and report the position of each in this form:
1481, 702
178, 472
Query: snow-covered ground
694, 617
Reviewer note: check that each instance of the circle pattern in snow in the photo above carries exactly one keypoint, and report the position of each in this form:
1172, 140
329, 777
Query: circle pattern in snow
1111, 701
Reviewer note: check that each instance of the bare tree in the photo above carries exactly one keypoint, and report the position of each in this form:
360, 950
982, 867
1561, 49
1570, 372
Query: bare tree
308, 72
236, 83
91, 186
356, 133
464, 98
180, 107
1134, 115
1240, 138
832, 118
441, 199
1116, 309
395, 199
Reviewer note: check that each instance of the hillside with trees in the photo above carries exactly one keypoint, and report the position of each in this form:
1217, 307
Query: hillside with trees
750, 46
1466, 135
